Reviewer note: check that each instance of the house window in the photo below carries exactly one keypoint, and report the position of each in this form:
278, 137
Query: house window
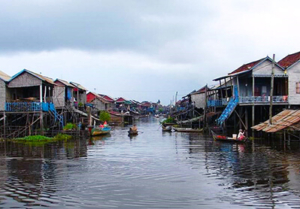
297, 87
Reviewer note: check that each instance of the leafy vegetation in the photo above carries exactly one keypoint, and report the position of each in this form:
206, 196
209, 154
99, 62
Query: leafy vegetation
34, 138
169, 120
70, 126
80, 104
40, 138
104, 116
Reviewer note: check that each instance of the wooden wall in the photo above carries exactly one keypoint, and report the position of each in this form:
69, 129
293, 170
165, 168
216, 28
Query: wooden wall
59, 96
2, 95
24, 80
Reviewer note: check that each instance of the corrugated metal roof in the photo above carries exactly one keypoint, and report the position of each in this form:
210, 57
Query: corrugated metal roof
282, 120
39, 76
77, 85
97, 96
246, 67
4, 76
289, 60
66, 83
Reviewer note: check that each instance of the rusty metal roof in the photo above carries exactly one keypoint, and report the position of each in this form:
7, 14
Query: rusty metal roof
4, 76
39, 76
283, 120
66, 83
79, 86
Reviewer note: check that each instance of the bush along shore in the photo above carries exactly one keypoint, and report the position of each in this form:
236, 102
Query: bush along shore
40, 138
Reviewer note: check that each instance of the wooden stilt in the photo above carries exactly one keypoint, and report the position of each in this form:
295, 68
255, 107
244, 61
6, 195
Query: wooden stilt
4, 124
241, 121
246, 120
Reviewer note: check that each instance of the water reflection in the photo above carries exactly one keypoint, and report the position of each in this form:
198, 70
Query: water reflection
154, 169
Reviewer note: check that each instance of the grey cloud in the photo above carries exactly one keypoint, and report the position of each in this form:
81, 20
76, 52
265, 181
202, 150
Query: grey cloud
95, 25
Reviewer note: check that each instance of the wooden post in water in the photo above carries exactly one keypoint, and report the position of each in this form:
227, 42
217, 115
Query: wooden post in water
205, 107
4, 125
41, 110
253, 106
271, 91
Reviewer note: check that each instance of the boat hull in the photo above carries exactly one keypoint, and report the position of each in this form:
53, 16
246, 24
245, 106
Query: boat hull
226, 138
167, 128
100, 131
132, 133
188, 130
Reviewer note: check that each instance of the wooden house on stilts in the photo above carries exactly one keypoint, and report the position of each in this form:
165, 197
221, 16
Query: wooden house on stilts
251, 87
29, 104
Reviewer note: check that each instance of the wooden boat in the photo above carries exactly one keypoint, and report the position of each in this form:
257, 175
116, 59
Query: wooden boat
100, 131
189, 130
132, 133
166, 128
226, 138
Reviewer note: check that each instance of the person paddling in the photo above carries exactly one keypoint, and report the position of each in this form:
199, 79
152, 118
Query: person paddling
241, 135
133, 128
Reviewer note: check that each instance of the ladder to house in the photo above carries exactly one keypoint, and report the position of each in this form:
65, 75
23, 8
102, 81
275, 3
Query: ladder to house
57, 116
233, 102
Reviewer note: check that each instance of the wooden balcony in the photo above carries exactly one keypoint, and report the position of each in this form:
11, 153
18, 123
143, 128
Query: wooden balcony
26, 106
284, 99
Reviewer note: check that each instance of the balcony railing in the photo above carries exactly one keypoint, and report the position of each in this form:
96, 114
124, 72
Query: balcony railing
263, 99
26, 106
218, 102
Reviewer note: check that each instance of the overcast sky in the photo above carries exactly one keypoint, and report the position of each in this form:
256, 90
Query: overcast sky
144, 49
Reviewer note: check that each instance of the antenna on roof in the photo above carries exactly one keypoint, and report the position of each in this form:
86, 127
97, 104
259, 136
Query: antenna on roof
41, 73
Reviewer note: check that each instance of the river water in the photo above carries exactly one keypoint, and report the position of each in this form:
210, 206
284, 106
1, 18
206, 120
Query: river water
151, 170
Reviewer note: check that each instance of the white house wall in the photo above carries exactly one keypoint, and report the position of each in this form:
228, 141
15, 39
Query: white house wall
294, 77
265, 68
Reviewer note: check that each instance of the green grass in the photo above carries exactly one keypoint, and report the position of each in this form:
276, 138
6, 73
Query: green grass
40, 138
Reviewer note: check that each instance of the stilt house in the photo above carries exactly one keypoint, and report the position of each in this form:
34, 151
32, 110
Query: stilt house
99, 102
79, 93
29, 91
30, 95
251, 84
4, 78
291, 65
63, 93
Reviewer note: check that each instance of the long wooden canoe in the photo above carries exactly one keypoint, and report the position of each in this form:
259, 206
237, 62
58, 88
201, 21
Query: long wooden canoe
100, 131
190, 130
132, 133
166, 128
226, 138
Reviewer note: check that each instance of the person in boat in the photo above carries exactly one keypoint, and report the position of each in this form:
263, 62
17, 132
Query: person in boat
241, 135
133, 128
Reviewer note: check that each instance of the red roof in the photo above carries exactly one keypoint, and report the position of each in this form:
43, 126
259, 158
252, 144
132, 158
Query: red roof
289, 60
108, 98
120, 99
90, 97
246, 67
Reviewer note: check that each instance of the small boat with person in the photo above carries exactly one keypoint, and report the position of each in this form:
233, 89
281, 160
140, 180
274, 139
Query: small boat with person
133, 131
102, 129
98, 131
233, 139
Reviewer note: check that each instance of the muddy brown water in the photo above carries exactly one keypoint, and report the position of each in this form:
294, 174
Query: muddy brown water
151, 170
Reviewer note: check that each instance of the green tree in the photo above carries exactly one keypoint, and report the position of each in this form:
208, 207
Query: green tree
104, 116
